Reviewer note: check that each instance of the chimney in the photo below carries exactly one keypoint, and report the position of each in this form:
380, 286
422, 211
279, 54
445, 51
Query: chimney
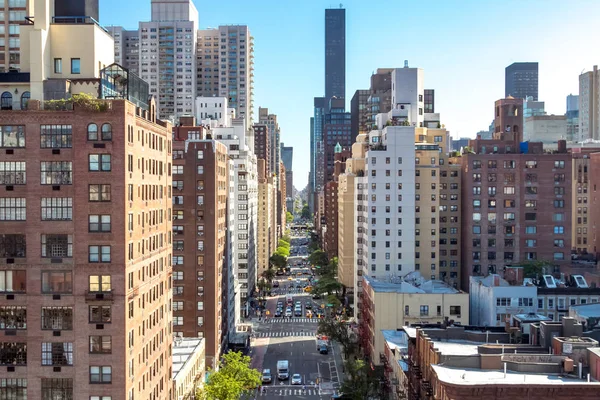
496, 280
562, 146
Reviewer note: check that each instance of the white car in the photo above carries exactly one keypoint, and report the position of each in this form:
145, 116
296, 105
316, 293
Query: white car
296, 379
288, 312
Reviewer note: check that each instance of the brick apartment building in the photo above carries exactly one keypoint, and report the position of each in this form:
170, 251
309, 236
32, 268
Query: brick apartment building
85, 252
262, 144
331, 203
200, 201
516, 200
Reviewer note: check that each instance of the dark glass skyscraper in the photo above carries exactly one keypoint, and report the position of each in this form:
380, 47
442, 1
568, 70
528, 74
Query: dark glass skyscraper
335, 53
521, 80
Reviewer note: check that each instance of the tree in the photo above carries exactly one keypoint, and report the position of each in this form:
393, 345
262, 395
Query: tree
338, 331
233, 379
283, 251
535, 269
263, 286
327, 285
305, 214
289, 218
318, 257
278, 260
361, 381
269, 274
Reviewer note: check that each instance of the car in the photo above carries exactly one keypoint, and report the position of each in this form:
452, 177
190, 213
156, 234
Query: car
278, 313
280, 303
296, 379
288, 313
323, 349
307, 305
297, 313
275, 284
266, 376
289, 278
316, 296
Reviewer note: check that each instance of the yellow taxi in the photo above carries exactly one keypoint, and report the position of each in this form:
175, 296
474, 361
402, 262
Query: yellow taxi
308, 289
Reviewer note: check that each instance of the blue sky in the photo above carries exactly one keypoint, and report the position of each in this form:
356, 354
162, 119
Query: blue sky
463, 46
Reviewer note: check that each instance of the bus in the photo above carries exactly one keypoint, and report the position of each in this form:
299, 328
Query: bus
289, 299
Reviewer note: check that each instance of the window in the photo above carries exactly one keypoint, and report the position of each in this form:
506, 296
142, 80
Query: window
503, 302
57, 389
99, 162
12, 173
57, 353
57, 318
99, 283
92, 132
424, 311
12, 246
57, 208
57, 282
13, 317
99, 223
6, 101
106, 132
56, 172
100, 374
99, 254
509, 190
12, 136
13, 388
58, 65
12, 209
99, 192
559, 230
13, 281
559, 256
525, 302
57, 245
75, 65
106, 397
13, 353
100, 344
99, 314
559, 164
56, 136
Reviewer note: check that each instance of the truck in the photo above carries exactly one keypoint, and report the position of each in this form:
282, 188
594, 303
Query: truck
283, 370
289, 299
322, 340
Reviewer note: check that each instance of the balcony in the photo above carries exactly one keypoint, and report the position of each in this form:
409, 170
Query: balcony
99, 296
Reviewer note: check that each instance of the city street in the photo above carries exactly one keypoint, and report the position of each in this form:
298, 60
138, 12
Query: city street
294, 339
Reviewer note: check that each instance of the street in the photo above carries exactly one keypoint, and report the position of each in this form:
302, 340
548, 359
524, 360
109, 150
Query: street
294, 339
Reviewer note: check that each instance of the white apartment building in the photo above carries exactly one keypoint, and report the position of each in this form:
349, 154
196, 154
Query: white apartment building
225, 60
493, 301
233, 285
166, 55
214, 109
245, 199
589, 105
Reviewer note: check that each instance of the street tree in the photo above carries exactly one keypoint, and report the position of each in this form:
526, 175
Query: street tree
233, 379
318, 257
339, 332
305, 214
289, 218
361, 381
269, 274
278, 260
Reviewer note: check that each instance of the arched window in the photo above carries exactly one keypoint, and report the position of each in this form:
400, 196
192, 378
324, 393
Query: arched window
6, 101
92, 132
106, 132
25, 99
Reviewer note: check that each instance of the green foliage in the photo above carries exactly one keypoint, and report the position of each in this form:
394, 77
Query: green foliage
233, 379
289, 217
305, 214
534, 269
269, 274
286, 238
283, 251
83, 101
338, 332
283, 243
361, 382
318, 257
327, 285
278, 261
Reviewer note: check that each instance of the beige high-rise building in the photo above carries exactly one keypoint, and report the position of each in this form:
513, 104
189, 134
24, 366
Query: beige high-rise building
265, 245
437, 208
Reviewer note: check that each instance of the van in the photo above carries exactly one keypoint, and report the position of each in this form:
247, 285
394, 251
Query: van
266, 376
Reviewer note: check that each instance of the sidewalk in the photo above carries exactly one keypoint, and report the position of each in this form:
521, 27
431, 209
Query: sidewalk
339, 361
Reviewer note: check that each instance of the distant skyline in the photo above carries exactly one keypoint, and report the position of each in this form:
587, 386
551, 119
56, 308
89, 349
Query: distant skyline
463, 46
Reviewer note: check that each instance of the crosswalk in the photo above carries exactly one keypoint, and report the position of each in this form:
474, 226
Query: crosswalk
292, 320
270, 391
282, 334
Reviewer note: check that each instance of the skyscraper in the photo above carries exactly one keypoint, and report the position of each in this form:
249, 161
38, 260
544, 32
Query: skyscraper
287, 156
589, 109
335, 53
226, 67
521, 80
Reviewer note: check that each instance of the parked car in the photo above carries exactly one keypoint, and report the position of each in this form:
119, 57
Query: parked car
307, 305
323, 349
278, 313
275, 284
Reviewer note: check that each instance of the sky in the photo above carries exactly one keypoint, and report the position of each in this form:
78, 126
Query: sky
462, 45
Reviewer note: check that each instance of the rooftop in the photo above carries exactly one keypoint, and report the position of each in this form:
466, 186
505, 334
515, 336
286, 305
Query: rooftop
457, 347
411, 283
587, 310
468, 376
183, 351
396, 339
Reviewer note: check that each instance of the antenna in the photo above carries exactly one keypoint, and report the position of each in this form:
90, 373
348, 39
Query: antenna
341, 5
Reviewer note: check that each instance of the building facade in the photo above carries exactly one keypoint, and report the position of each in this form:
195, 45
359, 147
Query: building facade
589, 105
287, 157
200, 271
225, 60
572, 115
265, 245
262, 145
335, 53
521, 80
